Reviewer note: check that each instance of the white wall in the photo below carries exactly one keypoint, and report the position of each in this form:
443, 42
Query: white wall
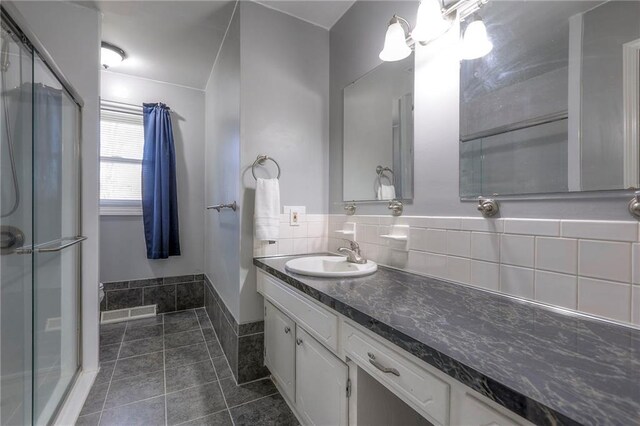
123, 253
355, 43
284, 114
268, 94
71, 35
222, 174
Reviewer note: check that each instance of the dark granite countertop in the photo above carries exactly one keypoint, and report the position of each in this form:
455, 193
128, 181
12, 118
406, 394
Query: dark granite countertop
549, 367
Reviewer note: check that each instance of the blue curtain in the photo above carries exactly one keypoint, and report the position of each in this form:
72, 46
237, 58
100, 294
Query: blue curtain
159, 195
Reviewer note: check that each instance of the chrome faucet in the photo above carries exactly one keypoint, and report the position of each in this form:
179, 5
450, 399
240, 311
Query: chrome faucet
353, 253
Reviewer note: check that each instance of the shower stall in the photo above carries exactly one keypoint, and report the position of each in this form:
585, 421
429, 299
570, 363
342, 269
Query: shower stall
39, 231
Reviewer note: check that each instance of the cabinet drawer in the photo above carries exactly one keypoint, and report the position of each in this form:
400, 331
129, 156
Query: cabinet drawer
321, 323
421, 389
474, 412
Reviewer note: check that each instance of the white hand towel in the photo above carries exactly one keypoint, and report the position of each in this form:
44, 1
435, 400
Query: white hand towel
386, 192
267, 209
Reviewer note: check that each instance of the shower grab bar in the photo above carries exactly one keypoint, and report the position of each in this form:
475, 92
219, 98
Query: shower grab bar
233, 206
63, 243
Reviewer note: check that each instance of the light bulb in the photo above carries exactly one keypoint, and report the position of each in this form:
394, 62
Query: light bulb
429, 24
395, 43
475, 42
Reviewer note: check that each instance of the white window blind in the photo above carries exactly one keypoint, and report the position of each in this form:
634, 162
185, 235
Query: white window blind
121, 145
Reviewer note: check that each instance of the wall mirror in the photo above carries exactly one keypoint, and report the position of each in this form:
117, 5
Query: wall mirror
378, 134
554, 107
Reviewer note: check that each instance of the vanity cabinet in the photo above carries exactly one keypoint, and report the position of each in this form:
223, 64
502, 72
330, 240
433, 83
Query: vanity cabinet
310, 376
310, 350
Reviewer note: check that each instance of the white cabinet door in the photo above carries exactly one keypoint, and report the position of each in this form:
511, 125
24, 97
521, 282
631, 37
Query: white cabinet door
321, 383
280, 349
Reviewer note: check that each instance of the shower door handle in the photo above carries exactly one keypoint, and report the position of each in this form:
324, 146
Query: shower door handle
53, 246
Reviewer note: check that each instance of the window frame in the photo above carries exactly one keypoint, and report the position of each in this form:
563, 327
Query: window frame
119, 207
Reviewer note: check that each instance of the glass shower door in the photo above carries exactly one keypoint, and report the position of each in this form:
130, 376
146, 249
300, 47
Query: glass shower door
56, 254
16, 178
39, 228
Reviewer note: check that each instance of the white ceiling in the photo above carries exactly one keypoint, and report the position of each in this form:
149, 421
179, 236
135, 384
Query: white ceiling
177, 41
323, 13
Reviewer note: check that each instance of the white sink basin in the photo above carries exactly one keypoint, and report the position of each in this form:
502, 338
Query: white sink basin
330, 266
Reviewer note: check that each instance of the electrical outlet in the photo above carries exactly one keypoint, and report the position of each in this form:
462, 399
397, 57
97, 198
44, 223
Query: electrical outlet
294, 217
294, 213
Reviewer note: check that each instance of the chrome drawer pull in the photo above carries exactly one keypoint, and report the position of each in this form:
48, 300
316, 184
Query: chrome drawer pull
376, 364
287, 329
298, 341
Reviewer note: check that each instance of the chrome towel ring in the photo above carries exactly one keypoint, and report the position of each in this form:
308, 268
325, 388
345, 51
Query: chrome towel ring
260, 161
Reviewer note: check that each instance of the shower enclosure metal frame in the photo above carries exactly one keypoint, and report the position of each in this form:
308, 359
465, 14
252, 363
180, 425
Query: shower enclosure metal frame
14, 20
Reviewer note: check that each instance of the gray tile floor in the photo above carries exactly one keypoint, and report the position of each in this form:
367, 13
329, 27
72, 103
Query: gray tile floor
170, 370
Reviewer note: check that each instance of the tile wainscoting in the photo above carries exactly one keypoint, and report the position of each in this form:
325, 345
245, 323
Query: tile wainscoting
587, 266
243, 344
309, 236
170, 294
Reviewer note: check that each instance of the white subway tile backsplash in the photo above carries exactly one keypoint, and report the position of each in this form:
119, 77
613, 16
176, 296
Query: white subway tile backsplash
517, 281
600, 230
398, 258
635, 264
418, 239
316, 245
485, 274
517, 250
557, 254
604, 259
590, 266
556, 289
458, 269
532, 227
459, 243
285, 246
316, 217
417, 262
437, 265
635, 305
444, 222
316, 229
300, 231
437, 241
482, 224
605, 298
485, 246
286, 231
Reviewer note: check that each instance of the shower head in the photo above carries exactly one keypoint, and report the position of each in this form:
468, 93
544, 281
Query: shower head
4, 51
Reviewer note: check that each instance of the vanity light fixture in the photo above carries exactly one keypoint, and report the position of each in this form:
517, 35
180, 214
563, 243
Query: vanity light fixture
432, 22
395, 41
475, 42
111, 55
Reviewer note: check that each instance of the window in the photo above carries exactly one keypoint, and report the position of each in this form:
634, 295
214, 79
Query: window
121, 145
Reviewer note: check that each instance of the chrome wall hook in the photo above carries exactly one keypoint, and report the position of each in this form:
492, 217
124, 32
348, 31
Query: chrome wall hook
350, 209
396, 207
488, 207
634, 205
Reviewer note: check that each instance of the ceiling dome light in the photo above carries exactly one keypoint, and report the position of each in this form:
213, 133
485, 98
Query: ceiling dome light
395, 42
429, 24
111, 55
475, 42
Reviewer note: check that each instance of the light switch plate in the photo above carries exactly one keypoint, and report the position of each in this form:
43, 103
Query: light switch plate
294, 213
294, 218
